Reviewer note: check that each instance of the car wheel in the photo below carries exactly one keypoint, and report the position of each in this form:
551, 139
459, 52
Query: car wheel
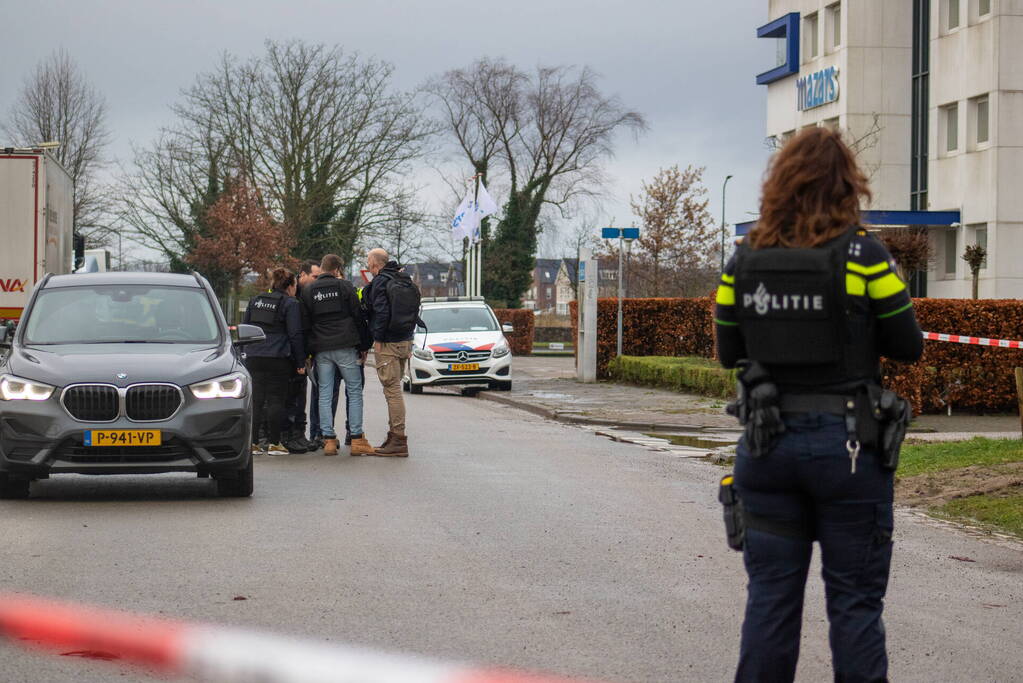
236, 487
11, 488
416, 388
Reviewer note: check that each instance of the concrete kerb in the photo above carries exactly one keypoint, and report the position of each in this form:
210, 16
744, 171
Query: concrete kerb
552, 414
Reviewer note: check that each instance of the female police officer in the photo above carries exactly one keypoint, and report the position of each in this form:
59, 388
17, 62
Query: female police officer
273, 362
811, 301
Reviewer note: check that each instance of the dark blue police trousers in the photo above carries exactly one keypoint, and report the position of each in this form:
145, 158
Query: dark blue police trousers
805, 481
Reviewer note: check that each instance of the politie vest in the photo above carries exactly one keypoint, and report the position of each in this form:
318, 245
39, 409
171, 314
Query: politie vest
796, 317
327, 299
266, 310
403, 300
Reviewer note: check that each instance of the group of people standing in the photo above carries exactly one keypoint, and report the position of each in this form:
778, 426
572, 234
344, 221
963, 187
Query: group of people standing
319, 329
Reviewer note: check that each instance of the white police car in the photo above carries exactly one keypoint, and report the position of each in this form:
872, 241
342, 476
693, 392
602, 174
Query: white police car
463, 343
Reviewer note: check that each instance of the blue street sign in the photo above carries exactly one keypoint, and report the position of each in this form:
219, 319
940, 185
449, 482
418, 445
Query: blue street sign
615, 233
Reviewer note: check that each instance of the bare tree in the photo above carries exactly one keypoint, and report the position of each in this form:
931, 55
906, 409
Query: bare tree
58, 104
400, 229
677, 239
546, 134
164, 198
320, 132
910, 247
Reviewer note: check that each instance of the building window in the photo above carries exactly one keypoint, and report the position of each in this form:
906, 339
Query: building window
443, 277
951, 14
951, 257
562, 309
980, 108
980, 239
549, 293
983, 7
831, 123
810, 46
835, 26
950, 114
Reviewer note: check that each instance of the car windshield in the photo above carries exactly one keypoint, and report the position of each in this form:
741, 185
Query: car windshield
121, 314
458, 319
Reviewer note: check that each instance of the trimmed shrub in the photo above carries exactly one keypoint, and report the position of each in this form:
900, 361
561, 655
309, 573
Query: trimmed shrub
966, 377
687, 374
652, 327
521, 340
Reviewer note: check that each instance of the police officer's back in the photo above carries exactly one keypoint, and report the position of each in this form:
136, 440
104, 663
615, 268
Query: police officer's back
806, 307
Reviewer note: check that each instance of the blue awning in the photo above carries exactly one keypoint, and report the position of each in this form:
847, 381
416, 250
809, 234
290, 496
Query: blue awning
887, 218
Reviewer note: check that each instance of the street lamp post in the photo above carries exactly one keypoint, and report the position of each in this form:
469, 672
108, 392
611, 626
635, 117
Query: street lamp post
625, 237
723, 187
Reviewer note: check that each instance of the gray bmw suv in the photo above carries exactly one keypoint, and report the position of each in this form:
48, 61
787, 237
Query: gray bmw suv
124, 373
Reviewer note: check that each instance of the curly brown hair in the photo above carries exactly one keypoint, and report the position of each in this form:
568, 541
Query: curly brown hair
812, 192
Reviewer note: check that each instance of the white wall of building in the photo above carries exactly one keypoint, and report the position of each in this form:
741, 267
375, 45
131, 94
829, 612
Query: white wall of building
981, 57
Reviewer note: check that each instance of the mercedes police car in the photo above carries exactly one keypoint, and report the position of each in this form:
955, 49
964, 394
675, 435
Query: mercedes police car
462, 343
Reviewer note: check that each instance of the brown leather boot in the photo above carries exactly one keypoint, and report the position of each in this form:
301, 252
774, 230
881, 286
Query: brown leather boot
330, 446
387, 441
397, 447
360, 446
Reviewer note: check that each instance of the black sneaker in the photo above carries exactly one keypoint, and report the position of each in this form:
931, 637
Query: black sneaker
295, 446
305, 443
316, 444
348, 438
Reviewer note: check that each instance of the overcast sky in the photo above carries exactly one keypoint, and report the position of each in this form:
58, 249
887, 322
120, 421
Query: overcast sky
687, 65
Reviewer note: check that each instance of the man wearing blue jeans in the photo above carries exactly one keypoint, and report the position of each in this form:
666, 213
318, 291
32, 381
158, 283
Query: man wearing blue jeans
339, 339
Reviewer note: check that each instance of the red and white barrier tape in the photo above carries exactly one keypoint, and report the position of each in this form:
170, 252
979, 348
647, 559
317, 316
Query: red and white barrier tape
982, 341
220, 655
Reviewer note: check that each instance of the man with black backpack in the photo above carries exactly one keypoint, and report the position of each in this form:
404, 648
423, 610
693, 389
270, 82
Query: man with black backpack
391, 302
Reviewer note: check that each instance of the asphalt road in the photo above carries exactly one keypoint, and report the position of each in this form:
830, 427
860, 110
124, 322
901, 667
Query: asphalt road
504, 539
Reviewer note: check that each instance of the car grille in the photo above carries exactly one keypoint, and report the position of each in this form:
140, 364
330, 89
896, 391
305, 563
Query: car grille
152, 402
92, 403
453, 356
172, 449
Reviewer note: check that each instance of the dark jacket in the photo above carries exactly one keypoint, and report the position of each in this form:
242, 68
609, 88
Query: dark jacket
377, 306
872, 288
289, 343
336, 329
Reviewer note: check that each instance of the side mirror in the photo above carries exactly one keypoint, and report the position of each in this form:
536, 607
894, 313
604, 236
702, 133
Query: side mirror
507, 328
245, 334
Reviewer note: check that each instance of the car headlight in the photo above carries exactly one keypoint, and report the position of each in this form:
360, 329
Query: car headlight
17, 389
501, 349
422, 354
229, 386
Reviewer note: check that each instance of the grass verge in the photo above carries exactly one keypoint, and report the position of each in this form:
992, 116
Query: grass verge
977, 482
918, 459
685, 374
1002, 511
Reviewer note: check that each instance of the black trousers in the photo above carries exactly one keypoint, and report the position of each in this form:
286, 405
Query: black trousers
270, 379
294, 419
807, 477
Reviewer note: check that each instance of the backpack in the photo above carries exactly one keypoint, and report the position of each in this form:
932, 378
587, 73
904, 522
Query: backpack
403, 299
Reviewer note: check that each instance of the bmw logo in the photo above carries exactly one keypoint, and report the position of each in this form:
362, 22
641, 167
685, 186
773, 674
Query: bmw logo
122, 375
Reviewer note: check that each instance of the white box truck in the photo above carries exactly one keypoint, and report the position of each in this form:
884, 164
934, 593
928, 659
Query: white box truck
36, 224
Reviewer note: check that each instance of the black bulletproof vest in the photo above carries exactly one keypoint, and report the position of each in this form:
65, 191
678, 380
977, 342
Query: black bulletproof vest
327, 300
796, 317
266, 310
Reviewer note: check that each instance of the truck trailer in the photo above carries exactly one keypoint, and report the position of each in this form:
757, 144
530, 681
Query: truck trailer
36, 224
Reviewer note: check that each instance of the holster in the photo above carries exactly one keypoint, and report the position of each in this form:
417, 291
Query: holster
757, 408
735, 528
895, 415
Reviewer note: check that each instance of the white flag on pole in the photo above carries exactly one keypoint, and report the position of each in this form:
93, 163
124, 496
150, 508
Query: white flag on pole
461, 223
485, 206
